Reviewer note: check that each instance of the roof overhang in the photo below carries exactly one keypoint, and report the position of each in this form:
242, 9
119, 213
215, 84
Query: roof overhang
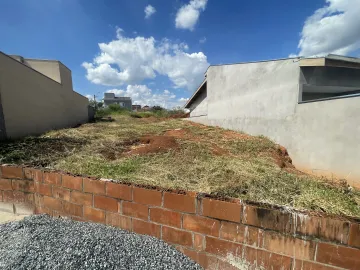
195, 95
331, 60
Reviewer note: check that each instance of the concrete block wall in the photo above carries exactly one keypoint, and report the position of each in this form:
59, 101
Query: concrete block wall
32, 103
218, 234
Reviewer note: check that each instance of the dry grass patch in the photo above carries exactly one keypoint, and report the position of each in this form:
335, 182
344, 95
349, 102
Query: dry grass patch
197, 158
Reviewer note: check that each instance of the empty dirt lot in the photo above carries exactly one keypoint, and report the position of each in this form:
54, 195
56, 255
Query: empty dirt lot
174, 153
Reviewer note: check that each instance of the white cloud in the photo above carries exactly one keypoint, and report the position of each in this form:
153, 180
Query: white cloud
142, 95
149, 11
332, 29
202, 40
90, 97
188, 15
131, 60
183, 99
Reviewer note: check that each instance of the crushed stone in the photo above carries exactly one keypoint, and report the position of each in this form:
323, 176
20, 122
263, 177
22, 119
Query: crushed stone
43, 242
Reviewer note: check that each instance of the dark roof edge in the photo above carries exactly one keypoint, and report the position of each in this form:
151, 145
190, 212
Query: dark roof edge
198, 91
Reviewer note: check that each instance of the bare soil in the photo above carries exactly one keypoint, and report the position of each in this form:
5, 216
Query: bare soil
153, 144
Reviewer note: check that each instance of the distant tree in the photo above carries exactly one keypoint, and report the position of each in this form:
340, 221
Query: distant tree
93, 103
158, 108
100, 104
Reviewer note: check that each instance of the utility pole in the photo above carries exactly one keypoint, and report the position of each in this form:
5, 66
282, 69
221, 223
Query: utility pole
95, 102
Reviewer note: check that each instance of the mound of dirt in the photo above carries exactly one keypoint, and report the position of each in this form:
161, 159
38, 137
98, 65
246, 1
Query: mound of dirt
113, 150
153, 144
282, 158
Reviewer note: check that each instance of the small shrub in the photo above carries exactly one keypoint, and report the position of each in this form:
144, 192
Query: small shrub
135, 115
111, 109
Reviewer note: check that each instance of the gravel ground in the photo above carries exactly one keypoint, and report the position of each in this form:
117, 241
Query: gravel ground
42, 242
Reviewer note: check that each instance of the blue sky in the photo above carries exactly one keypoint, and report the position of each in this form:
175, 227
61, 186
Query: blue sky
161, 57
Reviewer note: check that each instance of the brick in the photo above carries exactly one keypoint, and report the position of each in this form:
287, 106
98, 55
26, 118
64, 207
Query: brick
207, 261
8, 196
135, 210
143, 227
29, 198
43, 189
119, 221
81, 198
33, 174
38, 200
52, 204
266, 260
1, 196
12, 172
52, 178
61, 193
339, 256
201, 225
106, 203
241, 233
78, 219
44, 210
334, 230
223, 265
177, 237
23, 185
294, 247
18, 196
61, 214
72, 209
304, 265
223, 248
147, 196
199, 241
24, 209
72, 182
327, 228
354, 237
13, 196
165, 217
267, 218
94, 214
192, 254
119, 191
179, 202
5, 184
306, 225
221, 210
94, 186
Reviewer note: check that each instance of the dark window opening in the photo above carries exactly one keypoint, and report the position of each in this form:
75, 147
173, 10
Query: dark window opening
322, 83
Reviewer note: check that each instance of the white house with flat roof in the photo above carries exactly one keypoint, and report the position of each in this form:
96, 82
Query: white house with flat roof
309, 105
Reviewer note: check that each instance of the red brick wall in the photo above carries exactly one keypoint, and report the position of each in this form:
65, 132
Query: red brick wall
217, 234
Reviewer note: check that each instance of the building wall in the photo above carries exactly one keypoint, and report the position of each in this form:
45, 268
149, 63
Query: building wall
33, 103
2, 120
262, 99
66, 77
127, 102
48, 68
199, 108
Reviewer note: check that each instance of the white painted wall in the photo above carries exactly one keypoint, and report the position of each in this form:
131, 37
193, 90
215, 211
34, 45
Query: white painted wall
262, 99
33, 103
